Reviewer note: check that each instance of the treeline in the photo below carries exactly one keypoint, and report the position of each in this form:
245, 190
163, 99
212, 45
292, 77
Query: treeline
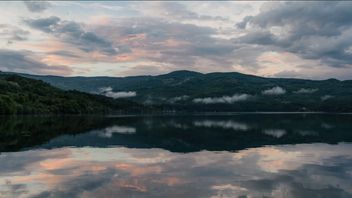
20, 95
177, 91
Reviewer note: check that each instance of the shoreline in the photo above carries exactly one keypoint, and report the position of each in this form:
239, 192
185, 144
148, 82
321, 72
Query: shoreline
177, 114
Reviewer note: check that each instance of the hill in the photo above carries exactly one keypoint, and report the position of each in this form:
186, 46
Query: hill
20, 95
232, 91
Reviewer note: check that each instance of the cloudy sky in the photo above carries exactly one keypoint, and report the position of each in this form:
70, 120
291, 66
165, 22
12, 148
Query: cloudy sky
277, 39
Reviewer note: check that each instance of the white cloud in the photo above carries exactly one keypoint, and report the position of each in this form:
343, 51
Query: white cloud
277, 133
159, 37
109, 131
306, 91
178, 98
223, 99
37, 6
107, 91
326, 97
274, 91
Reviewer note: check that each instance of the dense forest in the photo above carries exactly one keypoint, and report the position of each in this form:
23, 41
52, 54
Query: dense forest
232, 91
20, 95
181, 91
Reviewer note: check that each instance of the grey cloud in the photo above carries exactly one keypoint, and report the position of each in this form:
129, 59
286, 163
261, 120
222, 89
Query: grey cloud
246, 55
306, 91
44, 24
157, 29
143, 69
73, 33
312, 30
223, 99
316, 18
180, 11
13, 33
260, 37
192, 43
274, 91
22, 61
37, 6
277, 133
244, 22
65, 53
19, 35
178, 98
326, 97
108, 91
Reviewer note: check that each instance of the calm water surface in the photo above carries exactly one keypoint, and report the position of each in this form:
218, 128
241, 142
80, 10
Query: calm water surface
244, 155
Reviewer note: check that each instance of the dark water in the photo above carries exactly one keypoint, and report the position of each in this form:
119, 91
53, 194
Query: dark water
243, 155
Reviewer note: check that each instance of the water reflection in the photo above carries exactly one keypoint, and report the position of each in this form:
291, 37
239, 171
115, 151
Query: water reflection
306, 170
174, 133
277, 133
109, 131
229, 124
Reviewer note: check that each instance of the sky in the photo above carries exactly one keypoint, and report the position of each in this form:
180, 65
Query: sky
311, 40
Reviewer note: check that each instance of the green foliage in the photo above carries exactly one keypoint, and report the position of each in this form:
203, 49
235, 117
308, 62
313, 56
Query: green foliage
20, 95
161, 89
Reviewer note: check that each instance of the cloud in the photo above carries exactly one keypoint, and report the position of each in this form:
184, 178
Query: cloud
274, 91
277, 133
306, 91
12, 33
73, 33
244, 22
23, 62
179, 11
171, 44
37, 6
223, 99
109, 131
107, 91
44, 24
326, 97
178, 98
313, 30
159, 37
263, 37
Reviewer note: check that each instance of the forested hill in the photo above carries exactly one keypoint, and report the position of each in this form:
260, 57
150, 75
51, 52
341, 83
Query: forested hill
20, 95
232, 91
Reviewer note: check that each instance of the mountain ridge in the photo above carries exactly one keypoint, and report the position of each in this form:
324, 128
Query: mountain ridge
173, 72
21, 95
217, 91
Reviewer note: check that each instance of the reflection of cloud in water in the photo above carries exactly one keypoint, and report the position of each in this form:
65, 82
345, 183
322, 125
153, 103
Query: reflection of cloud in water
313, 170
228, 190
277, 133
109, 131
222, 124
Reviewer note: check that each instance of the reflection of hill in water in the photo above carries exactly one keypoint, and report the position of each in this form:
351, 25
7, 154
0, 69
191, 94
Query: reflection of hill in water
175, 133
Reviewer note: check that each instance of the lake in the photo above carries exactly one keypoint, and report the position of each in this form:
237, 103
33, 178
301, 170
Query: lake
215, 155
